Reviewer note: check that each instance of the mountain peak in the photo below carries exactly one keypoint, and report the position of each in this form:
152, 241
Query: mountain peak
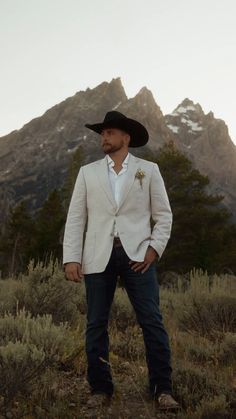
146, 94
145, 90
114, 82
144, 100
188, 106
112, 88
187, 102
187, 121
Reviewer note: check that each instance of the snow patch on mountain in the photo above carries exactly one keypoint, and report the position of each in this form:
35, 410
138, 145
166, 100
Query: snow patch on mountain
173, 128
183, 109
194, 126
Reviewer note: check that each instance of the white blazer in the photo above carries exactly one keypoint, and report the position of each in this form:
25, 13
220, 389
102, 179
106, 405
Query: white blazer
92, 204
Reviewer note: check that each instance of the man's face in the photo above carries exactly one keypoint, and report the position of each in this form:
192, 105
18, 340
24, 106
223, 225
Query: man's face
113, 139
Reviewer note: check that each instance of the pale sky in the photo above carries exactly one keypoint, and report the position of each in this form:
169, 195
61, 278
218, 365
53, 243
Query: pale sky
51, 49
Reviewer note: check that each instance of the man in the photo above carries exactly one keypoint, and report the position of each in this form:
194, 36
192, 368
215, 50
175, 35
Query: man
116, 196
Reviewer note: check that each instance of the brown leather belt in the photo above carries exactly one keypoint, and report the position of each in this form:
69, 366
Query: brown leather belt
117, 242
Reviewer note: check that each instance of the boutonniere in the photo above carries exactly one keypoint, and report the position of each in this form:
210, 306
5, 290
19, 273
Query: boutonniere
140, 175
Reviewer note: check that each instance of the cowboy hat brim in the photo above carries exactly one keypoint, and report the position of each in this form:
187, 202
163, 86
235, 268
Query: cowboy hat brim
138, 133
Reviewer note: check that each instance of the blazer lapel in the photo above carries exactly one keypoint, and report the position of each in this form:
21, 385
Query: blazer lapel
102, 171
130, 177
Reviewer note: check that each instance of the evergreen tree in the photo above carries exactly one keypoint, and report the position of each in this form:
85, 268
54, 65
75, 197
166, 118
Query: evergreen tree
16, 245
202, 235
25, 238
49, 223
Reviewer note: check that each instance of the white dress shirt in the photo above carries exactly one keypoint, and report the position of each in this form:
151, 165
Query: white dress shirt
117, 180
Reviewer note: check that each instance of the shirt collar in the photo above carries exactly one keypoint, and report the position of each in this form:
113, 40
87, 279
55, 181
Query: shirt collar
112, 163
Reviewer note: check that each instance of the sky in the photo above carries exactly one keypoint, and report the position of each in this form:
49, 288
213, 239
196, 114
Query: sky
51, 49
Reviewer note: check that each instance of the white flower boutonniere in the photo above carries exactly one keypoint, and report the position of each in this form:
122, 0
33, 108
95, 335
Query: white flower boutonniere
140, 175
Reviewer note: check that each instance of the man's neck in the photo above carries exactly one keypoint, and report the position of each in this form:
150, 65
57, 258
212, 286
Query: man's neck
119, 157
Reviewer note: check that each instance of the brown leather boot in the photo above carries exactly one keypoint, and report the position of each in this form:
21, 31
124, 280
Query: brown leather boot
167, 402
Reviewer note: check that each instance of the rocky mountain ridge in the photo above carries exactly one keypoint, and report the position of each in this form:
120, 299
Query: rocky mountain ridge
35, 159
206, 142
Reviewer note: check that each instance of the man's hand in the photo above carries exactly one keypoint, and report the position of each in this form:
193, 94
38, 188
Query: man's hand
150, 256
73, 271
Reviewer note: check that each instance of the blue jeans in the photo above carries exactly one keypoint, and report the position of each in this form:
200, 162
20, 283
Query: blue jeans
143, 292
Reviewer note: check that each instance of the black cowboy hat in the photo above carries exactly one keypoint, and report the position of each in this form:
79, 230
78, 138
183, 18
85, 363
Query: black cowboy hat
114, 119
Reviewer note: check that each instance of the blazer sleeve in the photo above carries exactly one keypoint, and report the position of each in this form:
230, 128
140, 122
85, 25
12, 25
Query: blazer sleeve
161, 212
75, 222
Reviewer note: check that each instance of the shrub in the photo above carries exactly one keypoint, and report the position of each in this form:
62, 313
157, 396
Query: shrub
48, 292
20, 363
208, 307
11, 292
202, 353
192, 385
27, 346
227, 352
128, 343
209, 315
215, 408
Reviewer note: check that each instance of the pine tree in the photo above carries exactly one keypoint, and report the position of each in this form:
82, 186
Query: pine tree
16, 245
51, 218
49, 223
202, 234
39, 238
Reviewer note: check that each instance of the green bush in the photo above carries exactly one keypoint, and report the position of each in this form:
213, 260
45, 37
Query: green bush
208, 315
11, 293
27, 347
202, 353
208, 307
215, 408
227, 351
48, 292
192, 385
20, 363
128, 343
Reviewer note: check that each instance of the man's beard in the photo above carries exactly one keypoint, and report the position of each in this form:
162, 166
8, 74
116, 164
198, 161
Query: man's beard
112, 148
